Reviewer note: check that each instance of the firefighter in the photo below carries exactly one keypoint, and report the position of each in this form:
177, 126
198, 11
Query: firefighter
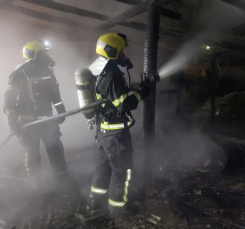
32, 89
114, 165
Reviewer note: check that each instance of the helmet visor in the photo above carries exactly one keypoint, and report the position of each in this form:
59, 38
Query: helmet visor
123, 54
110, 51
29, 53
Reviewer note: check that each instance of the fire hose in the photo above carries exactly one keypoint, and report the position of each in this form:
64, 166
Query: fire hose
55, 117
144, 81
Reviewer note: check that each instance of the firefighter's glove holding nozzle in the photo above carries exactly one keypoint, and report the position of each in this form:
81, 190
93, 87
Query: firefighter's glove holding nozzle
144, 91
146, 85
149, 80
60, 109
135, 87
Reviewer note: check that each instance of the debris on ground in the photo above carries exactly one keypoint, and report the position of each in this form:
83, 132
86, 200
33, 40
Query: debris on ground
186, 199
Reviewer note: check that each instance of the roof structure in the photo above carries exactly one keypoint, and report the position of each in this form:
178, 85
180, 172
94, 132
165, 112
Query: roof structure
214, 22
92, 14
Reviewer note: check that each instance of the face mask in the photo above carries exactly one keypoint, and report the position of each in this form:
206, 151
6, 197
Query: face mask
124, 61
44, 59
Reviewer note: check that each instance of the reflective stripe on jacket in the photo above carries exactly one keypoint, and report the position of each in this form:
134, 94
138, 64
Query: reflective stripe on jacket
111, 85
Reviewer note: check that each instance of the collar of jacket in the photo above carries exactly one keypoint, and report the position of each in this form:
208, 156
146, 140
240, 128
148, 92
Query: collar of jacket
98, 66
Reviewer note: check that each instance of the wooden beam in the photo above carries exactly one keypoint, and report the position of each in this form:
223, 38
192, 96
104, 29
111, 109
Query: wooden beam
40, 15
86, 13
21, 20
68, 9
136, 2
130, 2
101, 17
80, 12
164, 12
132, 12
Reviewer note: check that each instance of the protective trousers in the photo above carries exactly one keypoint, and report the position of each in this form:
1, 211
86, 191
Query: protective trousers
50, 134
113, 169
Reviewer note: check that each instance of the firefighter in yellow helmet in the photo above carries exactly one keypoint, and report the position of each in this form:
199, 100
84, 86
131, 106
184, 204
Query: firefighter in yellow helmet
31, 92
114, 165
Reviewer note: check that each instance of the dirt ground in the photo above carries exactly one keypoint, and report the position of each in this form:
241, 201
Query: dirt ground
192, 199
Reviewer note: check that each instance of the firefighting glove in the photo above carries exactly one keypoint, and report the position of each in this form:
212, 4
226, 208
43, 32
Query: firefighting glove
135, 87
60, 109
144, 91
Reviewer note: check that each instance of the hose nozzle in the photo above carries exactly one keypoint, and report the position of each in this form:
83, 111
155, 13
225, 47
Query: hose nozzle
149, 80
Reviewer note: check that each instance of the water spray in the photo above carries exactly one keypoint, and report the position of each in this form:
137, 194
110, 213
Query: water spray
182, 58
239, 4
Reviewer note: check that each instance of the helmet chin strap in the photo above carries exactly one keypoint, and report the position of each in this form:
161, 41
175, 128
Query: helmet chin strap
129, 83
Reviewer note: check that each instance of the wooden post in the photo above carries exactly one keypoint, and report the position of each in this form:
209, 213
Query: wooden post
150, 68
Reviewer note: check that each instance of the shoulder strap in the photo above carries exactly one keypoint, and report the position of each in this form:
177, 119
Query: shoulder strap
103, 82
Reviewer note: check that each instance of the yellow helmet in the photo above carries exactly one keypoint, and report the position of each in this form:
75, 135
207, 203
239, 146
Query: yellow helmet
110, 45
31, 49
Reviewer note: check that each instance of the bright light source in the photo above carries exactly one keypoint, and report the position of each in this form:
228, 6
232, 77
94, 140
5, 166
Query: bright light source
46, 43
207, 47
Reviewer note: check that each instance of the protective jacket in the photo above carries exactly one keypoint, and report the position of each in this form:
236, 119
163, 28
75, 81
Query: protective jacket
32, 89
111, 85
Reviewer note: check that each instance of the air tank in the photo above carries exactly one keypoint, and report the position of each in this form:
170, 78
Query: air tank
85, 90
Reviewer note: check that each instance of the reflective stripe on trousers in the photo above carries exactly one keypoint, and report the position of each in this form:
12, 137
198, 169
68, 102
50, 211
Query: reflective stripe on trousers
27, 164
125, 197
98, 190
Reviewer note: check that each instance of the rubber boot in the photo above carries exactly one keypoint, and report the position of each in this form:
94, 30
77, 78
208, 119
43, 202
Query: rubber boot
98, 206
123, 213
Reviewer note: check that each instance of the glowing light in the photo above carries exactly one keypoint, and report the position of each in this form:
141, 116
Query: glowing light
207, 47
46, 43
